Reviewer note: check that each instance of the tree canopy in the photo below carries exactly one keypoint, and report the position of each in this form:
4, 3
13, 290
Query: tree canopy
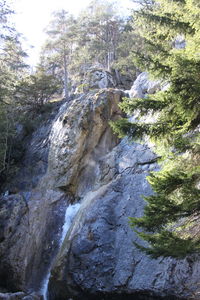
99, 35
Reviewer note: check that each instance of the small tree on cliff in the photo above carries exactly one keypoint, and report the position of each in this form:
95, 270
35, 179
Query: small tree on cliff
170, 221
34, 90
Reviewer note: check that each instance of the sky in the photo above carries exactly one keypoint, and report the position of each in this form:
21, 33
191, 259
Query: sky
32, 16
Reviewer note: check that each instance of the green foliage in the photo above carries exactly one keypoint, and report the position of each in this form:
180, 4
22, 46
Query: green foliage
170, 215
11, 67
22, 95
100, 28
97, 36
58, 49
33, 91
5, 28
168, 244
122, 127
144, 105
127, 42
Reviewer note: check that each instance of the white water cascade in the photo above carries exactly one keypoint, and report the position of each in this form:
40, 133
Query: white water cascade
71, 212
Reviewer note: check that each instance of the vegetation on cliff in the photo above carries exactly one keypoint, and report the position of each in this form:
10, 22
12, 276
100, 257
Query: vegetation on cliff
99, 36
170, 31
74, 44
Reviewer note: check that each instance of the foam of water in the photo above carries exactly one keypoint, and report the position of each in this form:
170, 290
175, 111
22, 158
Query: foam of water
44, 288
71, 211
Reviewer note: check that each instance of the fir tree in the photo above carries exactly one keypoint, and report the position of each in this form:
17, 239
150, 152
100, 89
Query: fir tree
169, 224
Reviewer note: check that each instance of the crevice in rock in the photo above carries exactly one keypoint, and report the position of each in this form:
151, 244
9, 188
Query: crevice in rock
149, 162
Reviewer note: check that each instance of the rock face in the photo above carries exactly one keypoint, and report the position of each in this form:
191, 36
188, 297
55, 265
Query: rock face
98, 257
84, 162
68, 151
99, 79
143, 86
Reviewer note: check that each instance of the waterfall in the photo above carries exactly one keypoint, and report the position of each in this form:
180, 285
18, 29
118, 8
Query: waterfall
70, 213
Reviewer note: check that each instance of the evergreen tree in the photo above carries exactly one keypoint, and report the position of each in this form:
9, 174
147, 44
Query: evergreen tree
59, 46
129, 40
169, 224
6, 29
11, 67
14, 56
96, 37
35, 90
100, 29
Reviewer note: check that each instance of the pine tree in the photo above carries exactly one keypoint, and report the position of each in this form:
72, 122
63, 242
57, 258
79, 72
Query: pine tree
6, 29
59, 46
170, 221
100, 29
10, 70
13, 70
34, 91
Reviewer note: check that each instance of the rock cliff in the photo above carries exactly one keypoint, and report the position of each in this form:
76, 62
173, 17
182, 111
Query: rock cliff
75, 158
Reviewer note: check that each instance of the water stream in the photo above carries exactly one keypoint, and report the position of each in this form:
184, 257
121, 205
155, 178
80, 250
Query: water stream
70, 213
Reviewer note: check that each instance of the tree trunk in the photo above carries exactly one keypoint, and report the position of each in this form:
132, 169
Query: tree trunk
66, 92
108, 60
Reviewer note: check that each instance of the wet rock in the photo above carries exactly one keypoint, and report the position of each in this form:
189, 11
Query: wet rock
19, 296
10, 296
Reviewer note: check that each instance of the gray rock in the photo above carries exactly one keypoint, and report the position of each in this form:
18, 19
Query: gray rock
12, 296
97, 78
17, 296
32, 217
99, 257
83, 161
143, 86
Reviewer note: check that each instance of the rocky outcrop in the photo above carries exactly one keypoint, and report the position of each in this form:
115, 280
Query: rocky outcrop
144, 86
32, 218
98, 258
98, 79
75, 158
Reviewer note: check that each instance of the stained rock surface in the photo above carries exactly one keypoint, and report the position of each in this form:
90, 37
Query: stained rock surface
75, 158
